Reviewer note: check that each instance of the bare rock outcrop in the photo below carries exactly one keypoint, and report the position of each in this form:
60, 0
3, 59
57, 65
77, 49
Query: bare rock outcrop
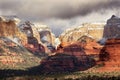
38, 34
86, 43
112, 28
94, 30
33, 39
8, 28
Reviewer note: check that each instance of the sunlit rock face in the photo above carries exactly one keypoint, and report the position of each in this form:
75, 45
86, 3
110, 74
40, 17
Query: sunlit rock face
112, 28
95, 30
110, 54
91, 46
8, 28
85, 43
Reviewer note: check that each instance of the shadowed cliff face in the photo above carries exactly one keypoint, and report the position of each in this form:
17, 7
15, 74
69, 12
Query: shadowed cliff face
61, 62
69, 57
45, 37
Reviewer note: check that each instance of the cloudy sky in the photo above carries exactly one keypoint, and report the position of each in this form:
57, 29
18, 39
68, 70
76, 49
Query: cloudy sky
61, 14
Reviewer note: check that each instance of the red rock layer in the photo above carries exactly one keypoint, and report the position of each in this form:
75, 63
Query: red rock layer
69, 57
110, 54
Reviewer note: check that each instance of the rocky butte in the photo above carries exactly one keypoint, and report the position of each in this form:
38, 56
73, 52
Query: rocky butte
110, 53
112, 28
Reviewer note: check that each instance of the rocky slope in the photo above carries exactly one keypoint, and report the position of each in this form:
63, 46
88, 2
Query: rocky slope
14, 56
94, 30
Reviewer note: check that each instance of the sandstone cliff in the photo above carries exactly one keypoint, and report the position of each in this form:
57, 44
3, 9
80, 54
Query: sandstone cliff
110, 54
94, 30
8, 28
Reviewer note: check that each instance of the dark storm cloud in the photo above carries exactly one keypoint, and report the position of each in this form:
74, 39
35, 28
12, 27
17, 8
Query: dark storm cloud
90, 7
60, 14
56, 8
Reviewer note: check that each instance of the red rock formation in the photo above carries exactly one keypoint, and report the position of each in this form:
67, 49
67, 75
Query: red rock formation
69, 57
71, 48
90, 46
110, 54
65, 63
33, 44
35, 48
